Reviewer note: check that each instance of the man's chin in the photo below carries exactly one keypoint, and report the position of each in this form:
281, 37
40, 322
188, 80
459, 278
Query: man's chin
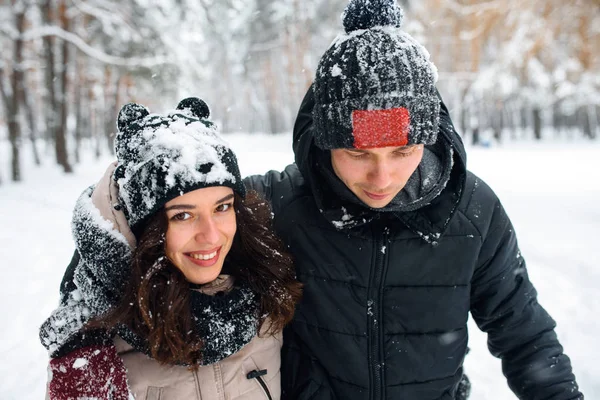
372, 203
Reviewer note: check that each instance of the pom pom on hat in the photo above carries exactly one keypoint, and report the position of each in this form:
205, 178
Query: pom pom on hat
194, 107
366, 14
129, 113
129, 122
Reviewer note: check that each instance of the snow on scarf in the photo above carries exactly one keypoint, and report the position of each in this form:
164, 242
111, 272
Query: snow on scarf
226, 323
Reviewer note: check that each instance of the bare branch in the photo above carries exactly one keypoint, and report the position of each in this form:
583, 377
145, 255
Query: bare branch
3, 90
472, 34
92, 52
9, 31
107, 15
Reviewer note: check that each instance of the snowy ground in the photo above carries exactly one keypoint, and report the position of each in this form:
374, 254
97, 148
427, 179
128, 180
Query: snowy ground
551, 191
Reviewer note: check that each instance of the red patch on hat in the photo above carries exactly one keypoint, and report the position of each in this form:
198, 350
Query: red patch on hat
380, 128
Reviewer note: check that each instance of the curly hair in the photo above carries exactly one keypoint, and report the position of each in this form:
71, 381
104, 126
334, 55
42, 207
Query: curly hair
156, 303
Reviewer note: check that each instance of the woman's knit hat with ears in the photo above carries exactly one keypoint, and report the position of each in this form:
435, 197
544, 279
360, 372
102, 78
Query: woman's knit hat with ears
160, 157
375, 85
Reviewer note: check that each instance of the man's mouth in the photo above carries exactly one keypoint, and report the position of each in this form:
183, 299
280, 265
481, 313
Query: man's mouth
376, 196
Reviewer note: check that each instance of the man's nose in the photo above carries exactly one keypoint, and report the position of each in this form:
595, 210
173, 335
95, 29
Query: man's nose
380, 175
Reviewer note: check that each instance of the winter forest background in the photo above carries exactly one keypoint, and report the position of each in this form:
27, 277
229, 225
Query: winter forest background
509, 69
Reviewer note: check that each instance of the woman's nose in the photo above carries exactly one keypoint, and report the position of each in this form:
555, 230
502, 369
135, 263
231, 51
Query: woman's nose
207, 231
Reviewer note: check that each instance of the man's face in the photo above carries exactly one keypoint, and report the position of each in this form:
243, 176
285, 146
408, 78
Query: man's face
376, 175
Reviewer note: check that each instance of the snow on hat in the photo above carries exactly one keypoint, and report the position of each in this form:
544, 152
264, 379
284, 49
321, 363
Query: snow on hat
162, 157
375, 85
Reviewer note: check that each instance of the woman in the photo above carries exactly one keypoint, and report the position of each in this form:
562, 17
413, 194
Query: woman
181, 289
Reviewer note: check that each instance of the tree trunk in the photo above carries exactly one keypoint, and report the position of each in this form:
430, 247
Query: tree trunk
14, 100
121, 81
462, 121
475, 136
5, 99
594, 113
13, 127
510, 120
50, 73
93, 120
524, 121
516, 116
272, 94
537, 123
111, 98
556, 125
498, 121
228, 90
78, 99
584, 122
61, 133
590, 112
32, 124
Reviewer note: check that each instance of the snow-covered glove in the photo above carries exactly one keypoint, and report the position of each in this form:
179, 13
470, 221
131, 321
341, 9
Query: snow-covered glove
93, 372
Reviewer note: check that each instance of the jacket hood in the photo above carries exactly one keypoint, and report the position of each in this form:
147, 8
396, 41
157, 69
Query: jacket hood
425, 205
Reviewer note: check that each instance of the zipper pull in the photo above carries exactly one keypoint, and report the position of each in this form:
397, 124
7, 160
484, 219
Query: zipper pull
256, 373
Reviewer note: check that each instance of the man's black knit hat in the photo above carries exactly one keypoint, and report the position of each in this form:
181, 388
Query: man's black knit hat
161, 157
375, 85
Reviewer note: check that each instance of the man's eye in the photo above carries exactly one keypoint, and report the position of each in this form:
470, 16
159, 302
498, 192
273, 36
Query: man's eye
405, 152
224, 207
356, 155
182, 216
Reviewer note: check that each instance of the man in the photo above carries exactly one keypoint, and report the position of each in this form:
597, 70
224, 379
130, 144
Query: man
394, 240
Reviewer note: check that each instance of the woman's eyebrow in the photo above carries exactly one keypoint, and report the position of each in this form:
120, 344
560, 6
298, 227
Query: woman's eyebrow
191, 206
229, 196
180, 207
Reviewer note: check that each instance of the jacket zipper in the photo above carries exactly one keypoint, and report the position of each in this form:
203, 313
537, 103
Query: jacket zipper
374, 313
258, 374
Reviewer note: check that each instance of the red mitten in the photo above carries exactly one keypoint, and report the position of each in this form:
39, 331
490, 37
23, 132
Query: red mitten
91, 372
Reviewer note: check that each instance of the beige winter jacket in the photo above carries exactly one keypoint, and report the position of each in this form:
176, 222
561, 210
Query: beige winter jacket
225, 380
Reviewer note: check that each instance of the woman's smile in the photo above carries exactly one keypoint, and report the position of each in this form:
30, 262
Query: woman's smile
204, 258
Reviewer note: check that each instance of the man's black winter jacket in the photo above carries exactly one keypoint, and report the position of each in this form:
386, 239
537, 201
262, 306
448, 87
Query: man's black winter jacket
385, 305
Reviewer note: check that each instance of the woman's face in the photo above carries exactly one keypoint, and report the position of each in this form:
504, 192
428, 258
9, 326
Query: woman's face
200, 230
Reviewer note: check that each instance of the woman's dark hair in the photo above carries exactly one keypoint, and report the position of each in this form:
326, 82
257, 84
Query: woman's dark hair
156, 301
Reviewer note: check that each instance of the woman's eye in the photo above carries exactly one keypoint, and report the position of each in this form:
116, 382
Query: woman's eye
182, 216
224, 207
